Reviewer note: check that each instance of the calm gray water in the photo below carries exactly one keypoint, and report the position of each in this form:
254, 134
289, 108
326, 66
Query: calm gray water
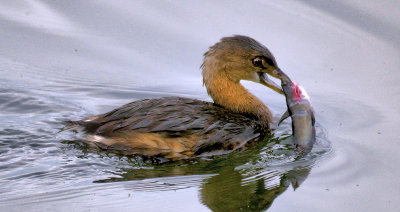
64, 60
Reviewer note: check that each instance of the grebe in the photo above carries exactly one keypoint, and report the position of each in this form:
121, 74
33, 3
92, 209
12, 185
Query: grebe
176, 128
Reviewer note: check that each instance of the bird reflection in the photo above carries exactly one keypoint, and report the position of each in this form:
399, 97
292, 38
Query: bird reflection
242, 181
226, 192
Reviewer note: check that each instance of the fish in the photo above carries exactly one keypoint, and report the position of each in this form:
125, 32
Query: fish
302, 115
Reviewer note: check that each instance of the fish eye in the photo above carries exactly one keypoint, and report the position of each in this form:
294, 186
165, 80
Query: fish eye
258, 62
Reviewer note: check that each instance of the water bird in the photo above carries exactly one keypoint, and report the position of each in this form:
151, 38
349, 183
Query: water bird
176, 128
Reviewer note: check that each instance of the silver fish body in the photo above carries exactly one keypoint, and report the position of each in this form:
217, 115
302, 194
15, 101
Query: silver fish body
301, 113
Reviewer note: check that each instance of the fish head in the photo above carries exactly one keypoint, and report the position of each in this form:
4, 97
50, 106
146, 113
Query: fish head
295, 93
298, 100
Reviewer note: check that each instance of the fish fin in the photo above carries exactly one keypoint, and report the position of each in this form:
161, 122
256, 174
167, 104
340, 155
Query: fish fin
284, 116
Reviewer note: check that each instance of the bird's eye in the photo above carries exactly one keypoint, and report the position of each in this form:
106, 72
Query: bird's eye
258, 62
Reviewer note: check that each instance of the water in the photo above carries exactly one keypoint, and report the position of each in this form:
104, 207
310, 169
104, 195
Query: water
62, 60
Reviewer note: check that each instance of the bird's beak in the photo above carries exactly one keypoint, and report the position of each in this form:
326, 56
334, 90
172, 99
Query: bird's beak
277, 73
265, 80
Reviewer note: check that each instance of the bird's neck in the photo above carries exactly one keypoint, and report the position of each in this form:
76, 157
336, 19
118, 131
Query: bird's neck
232, 95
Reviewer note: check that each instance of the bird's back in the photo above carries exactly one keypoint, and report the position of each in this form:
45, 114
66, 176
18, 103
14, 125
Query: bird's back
172, 128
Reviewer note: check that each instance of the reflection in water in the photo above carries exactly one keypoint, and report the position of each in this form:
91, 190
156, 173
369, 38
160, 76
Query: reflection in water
247, 181
220, 195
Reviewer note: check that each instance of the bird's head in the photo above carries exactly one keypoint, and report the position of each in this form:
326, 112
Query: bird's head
243, 58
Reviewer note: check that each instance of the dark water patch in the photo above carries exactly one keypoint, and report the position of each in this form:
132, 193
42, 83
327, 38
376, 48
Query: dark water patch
10, 163
10, 132
18, 102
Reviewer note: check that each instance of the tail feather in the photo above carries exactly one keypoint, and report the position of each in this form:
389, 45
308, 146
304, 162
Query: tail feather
71, 125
